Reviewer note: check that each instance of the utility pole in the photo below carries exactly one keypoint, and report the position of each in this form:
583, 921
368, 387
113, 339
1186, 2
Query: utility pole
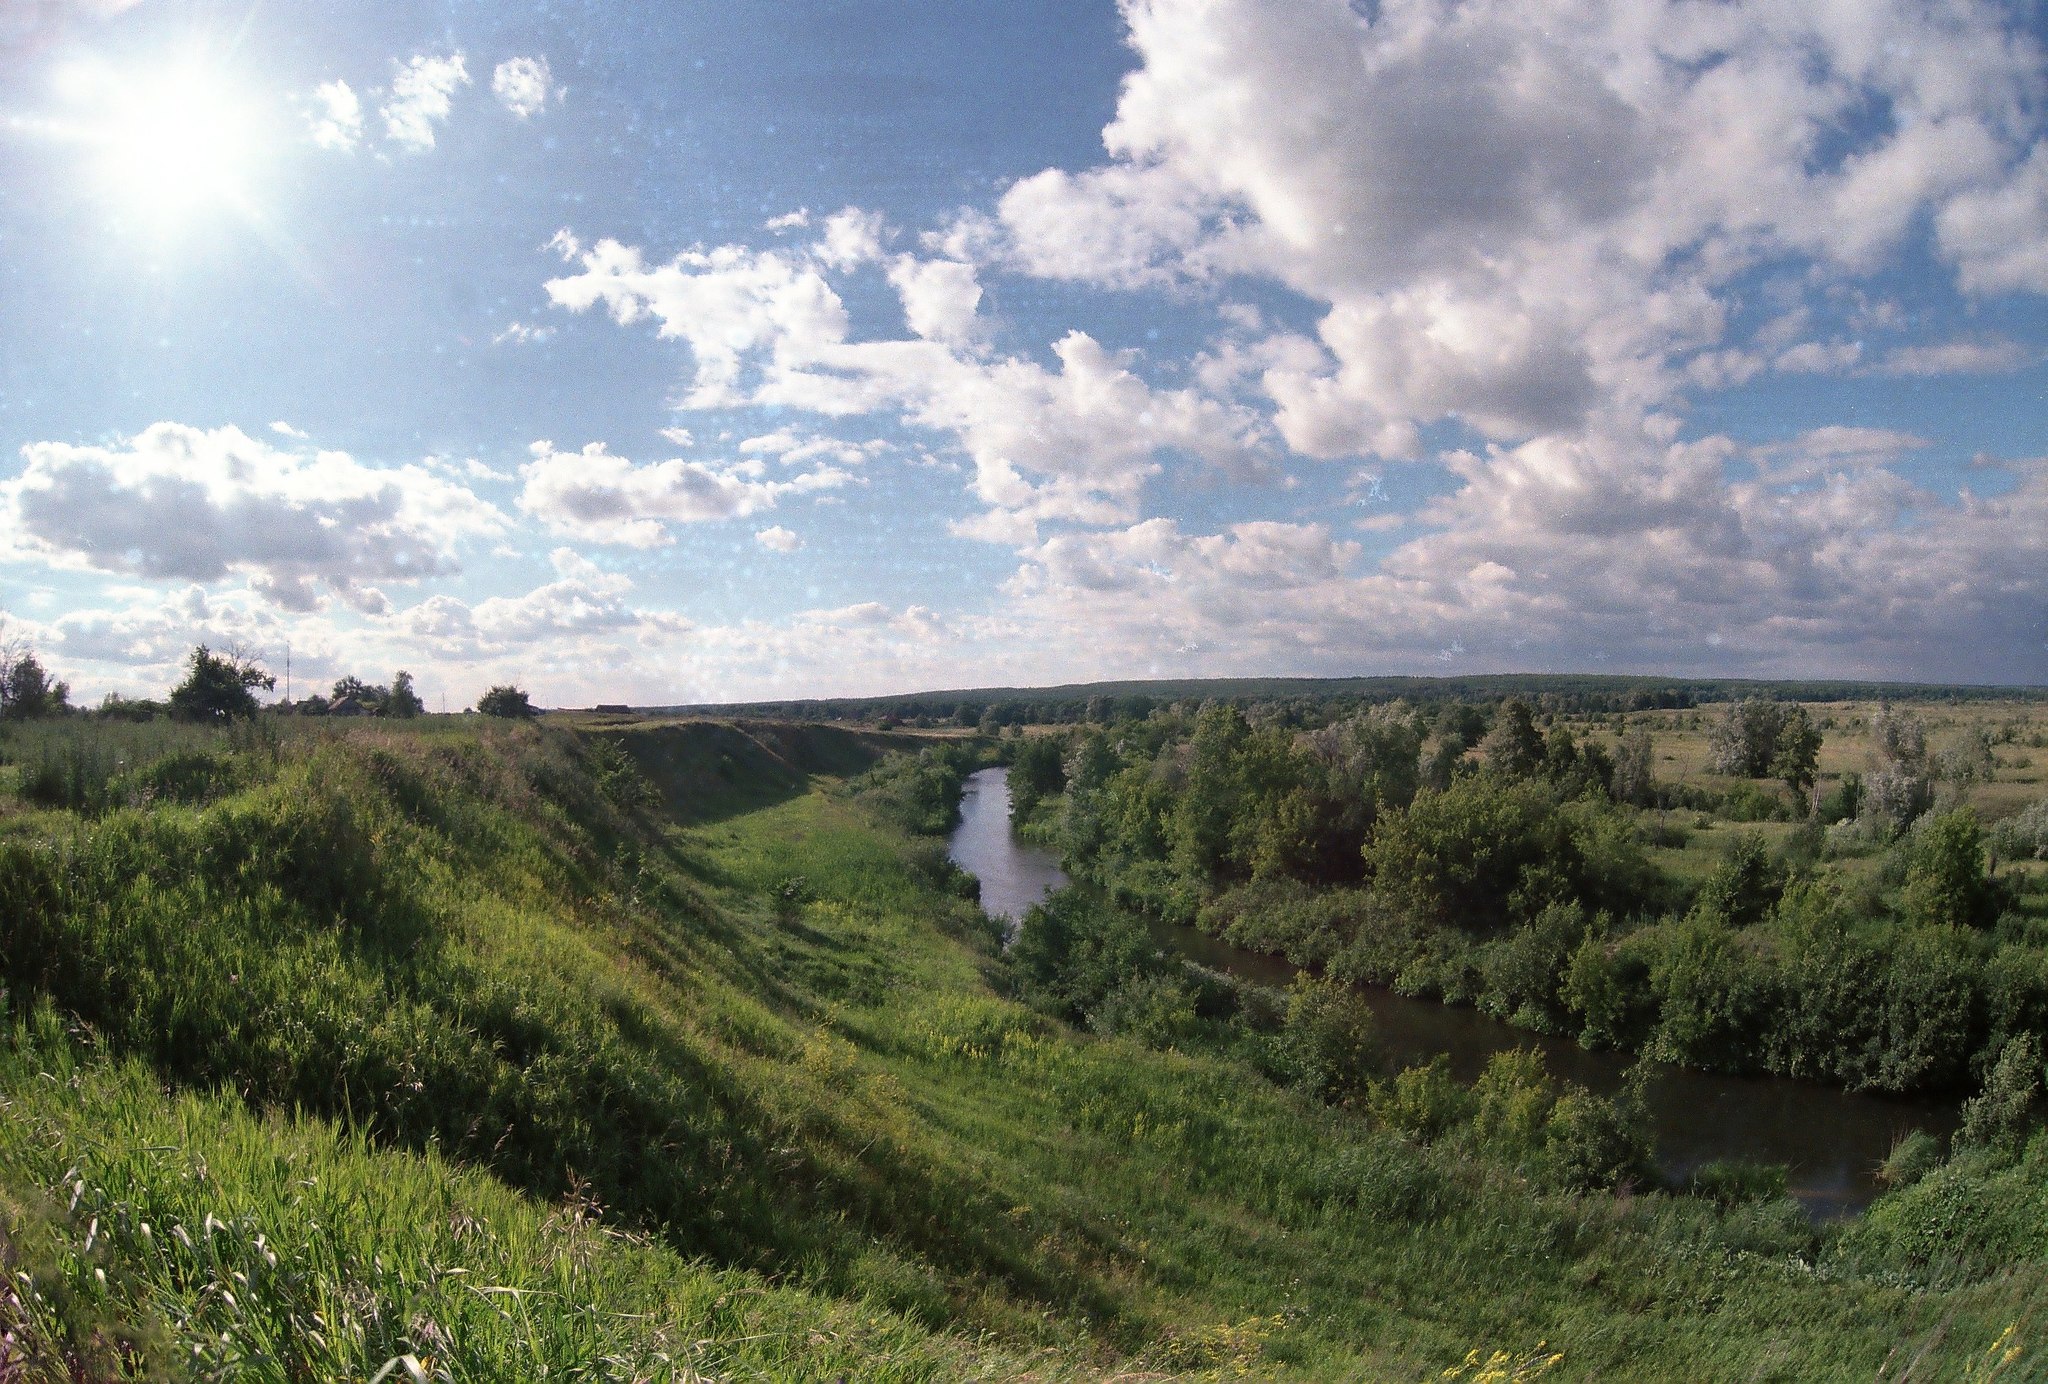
287, 670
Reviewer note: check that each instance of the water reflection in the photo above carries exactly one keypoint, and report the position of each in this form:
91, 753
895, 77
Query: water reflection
1013, 875
1831, 1141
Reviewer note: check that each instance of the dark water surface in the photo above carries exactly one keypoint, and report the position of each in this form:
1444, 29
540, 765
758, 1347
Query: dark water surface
1830, 1140
1014, 875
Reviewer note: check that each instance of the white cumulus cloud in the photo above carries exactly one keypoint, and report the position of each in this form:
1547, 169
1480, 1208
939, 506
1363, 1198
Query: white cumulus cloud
601, 498
335, 115
177, 502
422, 94
522, 85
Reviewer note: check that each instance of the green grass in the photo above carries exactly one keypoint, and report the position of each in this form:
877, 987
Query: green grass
509, 1069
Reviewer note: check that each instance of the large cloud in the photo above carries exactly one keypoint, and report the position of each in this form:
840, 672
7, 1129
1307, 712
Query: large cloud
422, 94
177, 502
1513, 211
768, 327
1556, 225
602, 498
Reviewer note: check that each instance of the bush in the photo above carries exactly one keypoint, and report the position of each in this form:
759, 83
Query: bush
1523, 970
1424, 1101
2023, 836
1916, 1154
2000, 1117
505, 700
1155, 1009
1594, 1142
1945, 883
218, 687
1732, 1181
919, 793
1330, 1039
1513, 1099
1709, 1003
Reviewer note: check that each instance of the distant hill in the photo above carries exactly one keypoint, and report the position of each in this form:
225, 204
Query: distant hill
1565, 691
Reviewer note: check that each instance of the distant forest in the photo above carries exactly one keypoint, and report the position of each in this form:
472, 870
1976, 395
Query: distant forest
1318, 698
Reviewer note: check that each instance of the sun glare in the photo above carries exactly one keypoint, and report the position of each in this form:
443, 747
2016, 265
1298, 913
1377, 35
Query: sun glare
172, 143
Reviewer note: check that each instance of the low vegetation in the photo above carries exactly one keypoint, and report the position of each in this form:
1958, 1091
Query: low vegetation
476, 1049
1549, 877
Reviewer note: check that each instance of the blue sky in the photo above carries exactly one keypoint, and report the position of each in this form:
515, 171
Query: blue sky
657, 353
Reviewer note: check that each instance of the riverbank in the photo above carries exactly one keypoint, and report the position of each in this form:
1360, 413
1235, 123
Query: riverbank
1832, 1143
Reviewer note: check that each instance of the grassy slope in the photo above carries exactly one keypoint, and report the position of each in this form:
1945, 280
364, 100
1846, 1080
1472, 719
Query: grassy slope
669, 1075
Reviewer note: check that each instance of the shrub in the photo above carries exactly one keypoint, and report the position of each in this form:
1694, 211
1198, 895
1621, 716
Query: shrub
1524, 969
1513, 1099
1424, 1101
2022, 836
1745, 885
1999, 1117
1915, 1154
218, 687
1731, 1181
505, 700
1595, 1142
1945, 883
1155, 1009
1330, 1039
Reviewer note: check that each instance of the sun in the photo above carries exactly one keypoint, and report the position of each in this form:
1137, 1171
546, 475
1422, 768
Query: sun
169, 144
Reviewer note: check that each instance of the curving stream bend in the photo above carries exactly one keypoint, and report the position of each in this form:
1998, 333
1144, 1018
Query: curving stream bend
1831, 1141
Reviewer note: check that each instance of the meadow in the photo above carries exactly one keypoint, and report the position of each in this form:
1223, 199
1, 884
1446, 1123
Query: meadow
660, 1050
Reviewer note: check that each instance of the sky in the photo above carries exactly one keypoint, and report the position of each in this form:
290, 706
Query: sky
779, 348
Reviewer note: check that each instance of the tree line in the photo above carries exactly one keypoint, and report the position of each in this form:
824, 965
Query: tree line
1483, 859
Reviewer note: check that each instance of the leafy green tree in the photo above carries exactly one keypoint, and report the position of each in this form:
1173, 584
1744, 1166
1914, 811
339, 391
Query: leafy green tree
1945, 883
504, 700
1745, 739
2001, 1116
1796, 757
1524, 969
1632, 763
27, 690
1424, 1101
1744, 885
219, 687
403, 701
1932, 999
1037, 771
1898, 788
1330, 1038
1514, 1098
1514, 748
1596, 989
1595, 1142
1709, 1004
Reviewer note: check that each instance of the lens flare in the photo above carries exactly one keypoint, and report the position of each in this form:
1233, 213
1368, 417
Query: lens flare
170, 144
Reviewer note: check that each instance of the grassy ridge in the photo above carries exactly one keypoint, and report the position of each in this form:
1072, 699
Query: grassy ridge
507, 1070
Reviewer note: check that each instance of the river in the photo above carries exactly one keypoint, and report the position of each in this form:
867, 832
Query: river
1831, 1141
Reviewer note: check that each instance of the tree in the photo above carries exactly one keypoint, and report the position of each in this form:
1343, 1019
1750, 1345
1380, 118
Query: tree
27, 691
366, 697
1632, 769
1945, 884
1898, 788
1796, 756
504, 700
1745, 740
403, 702
219, 687
1330, 1038
1514, 747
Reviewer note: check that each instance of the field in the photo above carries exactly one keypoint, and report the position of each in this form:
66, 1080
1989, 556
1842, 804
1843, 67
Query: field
660, 1051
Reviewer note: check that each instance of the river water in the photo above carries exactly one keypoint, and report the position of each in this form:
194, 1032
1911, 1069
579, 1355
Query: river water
1831, 1141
